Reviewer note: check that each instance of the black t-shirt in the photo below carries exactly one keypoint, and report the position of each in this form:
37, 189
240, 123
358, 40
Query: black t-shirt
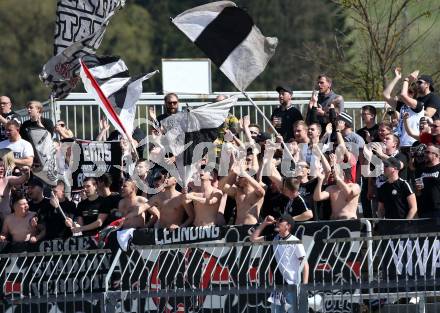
89, 211
48, 124
306, 191
431, 100
430, 194
50, 217
295, 206
274, 203
374, 133
417, 109
9, 117
110, 206
403, 173
394, 197
288, 118
69, 207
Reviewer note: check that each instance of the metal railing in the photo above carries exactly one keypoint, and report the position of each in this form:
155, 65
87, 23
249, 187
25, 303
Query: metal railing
378, 274
53, 282
397, 273
82, 113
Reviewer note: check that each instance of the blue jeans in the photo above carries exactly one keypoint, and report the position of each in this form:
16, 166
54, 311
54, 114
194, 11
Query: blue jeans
292, 303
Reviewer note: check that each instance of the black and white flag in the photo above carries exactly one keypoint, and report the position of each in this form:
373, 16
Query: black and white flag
107, 79
185, 130
80, 27
228, 36
44, 147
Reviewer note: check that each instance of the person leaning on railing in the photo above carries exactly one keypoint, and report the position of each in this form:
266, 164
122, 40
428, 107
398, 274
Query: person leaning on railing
289, 258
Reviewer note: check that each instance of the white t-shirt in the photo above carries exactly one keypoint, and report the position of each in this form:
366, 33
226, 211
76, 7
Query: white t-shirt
21, 148
289, 258
413, 121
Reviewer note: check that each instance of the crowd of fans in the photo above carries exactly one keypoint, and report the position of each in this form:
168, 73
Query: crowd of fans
388, 169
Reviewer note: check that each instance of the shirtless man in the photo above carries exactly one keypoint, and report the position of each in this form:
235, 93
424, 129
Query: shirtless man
206, 201
130, 202
343, 195
22, 224
171, 204
247, 192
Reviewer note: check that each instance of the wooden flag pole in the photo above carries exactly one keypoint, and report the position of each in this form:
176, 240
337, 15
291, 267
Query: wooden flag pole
269, 123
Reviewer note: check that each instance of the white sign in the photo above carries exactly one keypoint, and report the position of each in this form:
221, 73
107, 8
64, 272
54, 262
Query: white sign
186, 76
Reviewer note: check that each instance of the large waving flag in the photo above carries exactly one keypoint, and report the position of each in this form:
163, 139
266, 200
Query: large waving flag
108, 81
228, 36
185, 130
80, 27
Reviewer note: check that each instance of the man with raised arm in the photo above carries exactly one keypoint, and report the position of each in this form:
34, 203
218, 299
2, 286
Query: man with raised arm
289, 258
296, 206
206, 202
130, 202
343, 195
169, 204
247, 192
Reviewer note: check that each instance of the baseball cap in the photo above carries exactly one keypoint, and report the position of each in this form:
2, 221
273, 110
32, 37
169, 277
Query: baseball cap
429, 80
35, 182
392, 162
263, 137
287, 218
283, 88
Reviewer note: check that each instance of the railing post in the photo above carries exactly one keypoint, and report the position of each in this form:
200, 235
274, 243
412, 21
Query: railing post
369, 232
109, 302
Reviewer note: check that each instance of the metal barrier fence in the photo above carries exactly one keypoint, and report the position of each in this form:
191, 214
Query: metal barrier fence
54, 281
396, 273
82, 113
226, 277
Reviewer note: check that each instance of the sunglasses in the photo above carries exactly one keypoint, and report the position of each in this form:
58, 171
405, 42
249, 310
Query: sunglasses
172, 102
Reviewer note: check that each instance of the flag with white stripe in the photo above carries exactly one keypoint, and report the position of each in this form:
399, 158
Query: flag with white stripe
185, 130
79, 30
44, 147
108, 81
228, 36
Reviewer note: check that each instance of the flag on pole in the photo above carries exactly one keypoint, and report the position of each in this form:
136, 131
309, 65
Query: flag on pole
44, 147
80, 27
108, 81
185, 130
228, 36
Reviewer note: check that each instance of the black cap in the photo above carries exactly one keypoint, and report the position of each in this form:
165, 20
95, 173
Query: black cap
284, 88
289, 219
392, 162
36, 182
263, 137
429, 80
